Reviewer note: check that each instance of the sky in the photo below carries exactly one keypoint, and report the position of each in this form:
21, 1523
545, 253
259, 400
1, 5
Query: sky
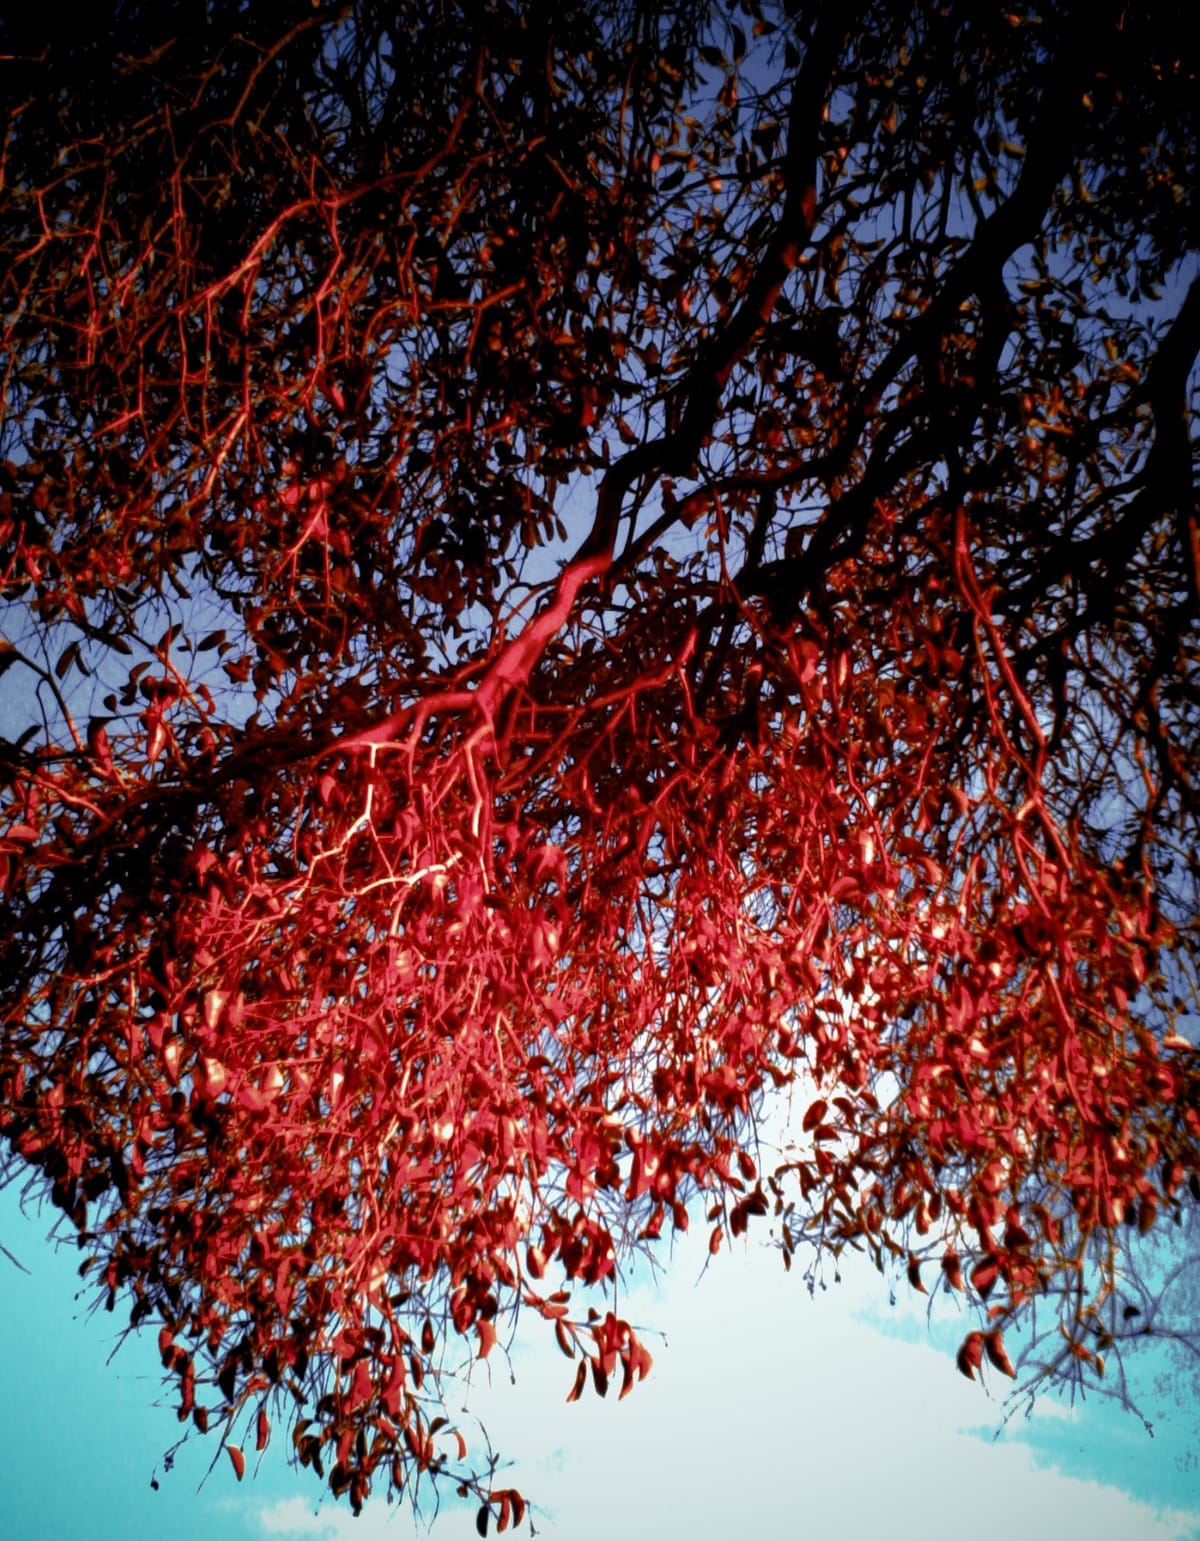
768, 1414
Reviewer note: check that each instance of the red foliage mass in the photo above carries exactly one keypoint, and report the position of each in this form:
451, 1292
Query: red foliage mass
400, 937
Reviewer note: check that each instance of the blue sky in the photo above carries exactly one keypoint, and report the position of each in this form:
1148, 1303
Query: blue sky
767, 1414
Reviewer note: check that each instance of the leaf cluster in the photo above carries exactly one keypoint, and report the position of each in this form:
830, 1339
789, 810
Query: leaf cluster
571, 579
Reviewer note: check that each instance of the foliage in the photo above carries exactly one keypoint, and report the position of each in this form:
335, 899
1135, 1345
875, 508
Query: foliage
568, 572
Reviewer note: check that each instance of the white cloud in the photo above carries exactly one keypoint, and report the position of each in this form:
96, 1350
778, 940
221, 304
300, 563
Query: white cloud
294, 1519
771, 1414
1054, 1409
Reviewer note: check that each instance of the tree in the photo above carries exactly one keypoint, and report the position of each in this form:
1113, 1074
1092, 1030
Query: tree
570, 573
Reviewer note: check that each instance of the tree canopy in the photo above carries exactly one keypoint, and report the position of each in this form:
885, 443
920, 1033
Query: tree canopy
580, 583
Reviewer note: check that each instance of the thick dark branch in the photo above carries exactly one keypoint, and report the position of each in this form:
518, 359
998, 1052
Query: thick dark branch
676, 451
1169, 473
977, 272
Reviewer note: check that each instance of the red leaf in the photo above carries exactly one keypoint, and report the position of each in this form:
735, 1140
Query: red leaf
993, 1342
238, 1461
576, 1390
970, 1355
984, 1275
